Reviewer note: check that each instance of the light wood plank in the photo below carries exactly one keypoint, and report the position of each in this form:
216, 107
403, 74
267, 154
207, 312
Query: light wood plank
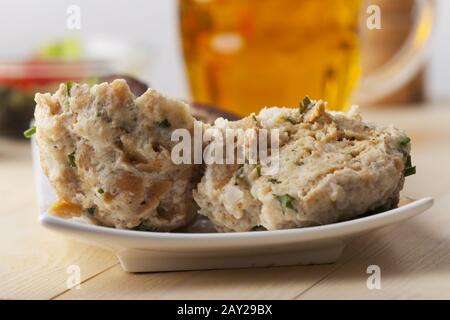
257, 283
33, 261
276, 283
414, 259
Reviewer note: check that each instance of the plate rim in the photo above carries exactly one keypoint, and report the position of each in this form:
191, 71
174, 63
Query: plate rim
340, 228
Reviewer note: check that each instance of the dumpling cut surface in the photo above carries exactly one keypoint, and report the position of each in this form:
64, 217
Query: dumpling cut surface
107, 153
333, 167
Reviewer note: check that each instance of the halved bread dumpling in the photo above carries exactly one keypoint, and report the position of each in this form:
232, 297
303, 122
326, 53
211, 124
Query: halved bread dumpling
332, 167
108, 155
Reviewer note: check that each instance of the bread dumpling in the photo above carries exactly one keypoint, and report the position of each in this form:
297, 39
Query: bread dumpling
332, 167
108, 155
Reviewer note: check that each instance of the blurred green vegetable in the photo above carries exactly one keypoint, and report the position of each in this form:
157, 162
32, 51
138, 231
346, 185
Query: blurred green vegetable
66, 49
29, 133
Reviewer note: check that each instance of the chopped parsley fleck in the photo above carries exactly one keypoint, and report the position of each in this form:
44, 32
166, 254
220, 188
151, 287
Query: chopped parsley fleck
291, 120
409, 168
354, 154
71, 159
408, 162
258, 169
66, 104
304, 104
410, 171
275, 181
164, 124
405, 141
100, 191
29, 133
69, 86
254, 118
286, 201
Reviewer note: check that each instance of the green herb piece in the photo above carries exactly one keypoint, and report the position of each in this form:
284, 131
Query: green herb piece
254, 117
405, 141
409, 168
304, 104
354, 154
410, 171
66, 104
286, 201
274, 181
408, 162
306, 101
91, 210
29, 133
164, 124
69, 85
100, 191
71, 159
291, 120
258, 169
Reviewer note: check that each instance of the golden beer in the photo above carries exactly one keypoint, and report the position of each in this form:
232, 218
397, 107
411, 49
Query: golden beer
242, 55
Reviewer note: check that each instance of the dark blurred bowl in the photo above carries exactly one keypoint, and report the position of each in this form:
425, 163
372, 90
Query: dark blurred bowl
42, 70
19, 82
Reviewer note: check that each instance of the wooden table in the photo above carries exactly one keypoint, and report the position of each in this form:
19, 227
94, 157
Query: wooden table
414, 256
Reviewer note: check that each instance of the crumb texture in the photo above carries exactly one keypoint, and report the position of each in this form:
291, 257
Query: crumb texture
333, 167
108, 153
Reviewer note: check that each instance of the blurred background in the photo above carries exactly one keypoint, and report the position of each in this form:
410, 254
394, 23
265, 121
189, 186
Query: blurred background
213, 51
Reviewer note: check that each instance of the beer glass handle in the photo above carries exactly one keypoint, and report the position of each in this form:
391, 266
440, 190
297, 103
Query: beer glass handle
404, 64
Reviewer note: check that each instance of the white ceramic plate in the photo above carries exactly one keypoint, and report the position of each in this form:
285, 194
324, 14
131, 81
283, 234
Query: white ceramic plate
142, 251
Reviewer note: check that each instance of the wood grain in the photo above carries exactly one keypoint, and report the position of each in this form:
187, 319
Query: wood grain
34, 261
259, 283
414, 259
